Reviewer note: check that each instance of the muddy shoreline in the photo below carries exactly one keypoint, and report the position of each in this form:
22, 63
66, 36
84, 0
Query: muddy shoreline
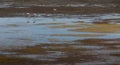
69, 10
59, 39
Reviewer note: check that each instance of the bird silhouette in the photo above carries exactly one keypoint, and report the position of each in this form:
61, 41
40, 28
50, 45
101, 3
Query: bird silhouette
31, 16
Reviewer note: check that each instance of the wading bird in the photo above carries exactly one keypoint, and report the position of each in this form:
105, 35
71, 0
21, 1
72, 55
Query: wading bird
54, 9
31, 16
28, 16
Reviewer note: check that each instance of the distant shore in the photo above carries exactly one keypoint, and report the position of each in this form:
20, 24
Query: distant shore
68, 10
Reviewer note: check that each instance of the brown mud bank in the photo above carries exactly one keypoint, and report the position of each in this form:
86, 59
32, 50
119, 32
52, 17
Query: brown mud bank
102, 41
70, 10
100, 28
78, 52
108, 21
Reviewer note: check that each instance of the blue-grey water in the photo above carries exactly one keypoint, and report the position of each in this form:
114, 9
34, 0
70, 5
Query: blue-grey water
15, 31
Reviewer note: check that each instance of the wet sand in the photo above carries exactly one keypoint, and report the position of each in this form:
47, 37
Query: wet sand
78, 52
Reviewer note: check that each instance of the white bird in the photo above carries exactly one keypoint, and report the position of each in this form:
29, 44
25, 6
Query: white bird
33, 15
27, 13
34, 19
54, 9
28, 16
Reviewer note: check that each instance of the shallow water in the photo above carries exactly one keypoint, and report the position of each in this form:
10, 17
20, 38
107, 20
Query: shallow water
20, 39
15, 31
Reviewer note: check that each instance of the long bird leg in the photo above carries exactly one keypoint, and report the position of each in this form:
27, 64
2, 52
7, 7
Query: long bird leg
28, 17
34, 18
54, 14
